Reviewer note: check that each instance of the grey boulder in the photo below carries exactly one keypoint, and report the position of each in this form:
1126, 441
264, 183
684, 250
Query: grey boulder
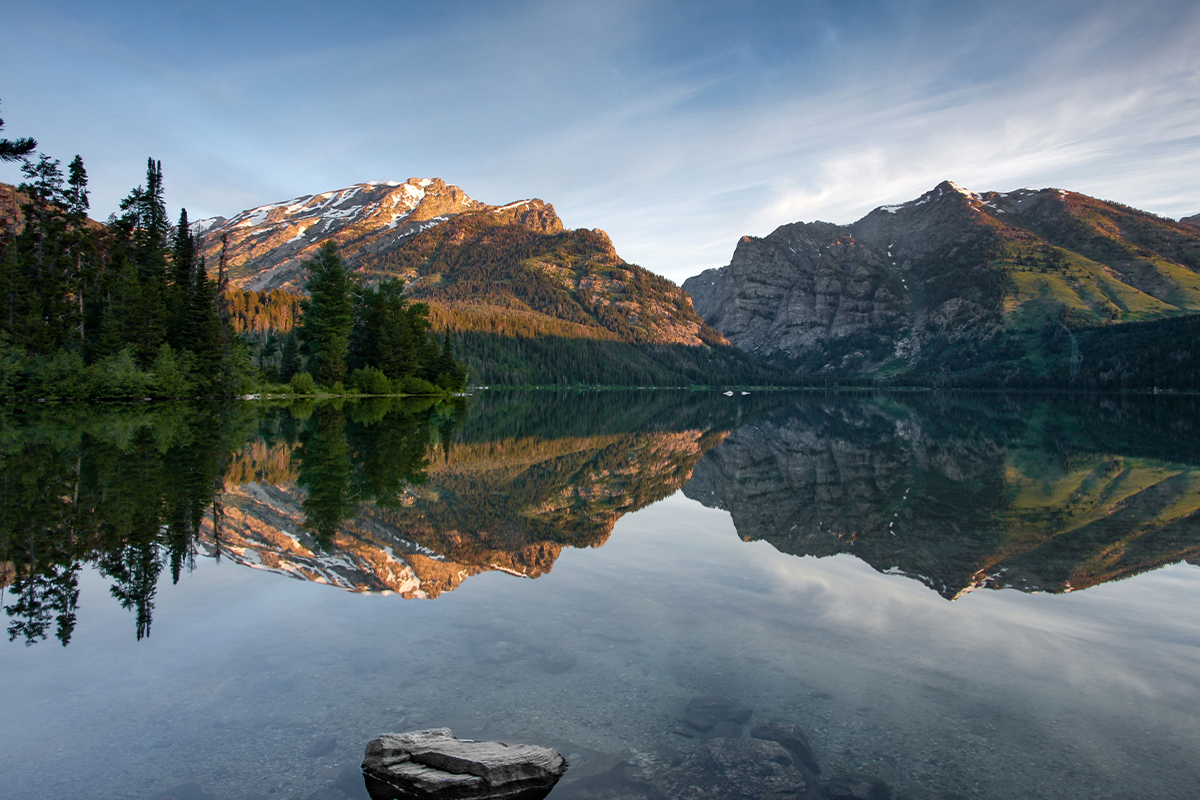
434, 765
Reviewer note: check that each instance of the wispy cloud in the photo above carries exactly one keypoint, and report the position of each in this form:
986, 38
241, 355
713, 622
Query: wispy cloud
676, 127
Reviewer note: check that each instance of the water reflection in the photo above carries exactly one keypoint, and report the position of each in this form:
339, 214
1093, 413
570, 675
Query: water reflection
960, 493
375, 508
381, 495
121, 488
414, 497
139, 491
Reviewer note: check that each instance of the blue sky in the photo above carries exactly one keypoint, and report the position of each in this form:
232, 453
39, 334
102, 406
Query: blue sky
675, 126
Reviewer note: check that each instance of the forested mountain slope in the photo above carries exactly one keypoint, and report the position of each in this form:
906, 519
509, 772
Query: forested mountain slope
527, 300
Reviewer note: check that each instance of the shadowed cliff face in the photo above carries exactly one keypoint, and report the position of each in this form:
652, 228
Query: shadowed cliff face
954, 280
960, 497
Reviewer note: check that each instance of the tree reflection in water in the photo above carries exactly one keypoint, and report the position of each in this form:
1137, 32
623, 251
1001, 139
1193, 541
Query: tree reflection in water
130, 490
125, 489
414, 496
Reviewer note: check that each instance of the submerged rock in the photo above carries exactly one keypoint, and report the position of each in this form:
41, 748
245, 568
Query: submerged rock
725, 730
857, 787
737, 769
434, 765
554, 661
705, 713
791, 737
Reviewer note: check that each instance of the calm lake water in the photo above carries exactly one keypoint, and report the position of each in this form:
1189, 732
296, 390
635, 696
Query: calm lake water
968, 596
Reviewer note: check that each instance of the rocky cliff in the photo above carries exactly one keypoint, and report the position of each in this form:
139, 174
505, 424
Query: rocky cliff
267, 246
947, 280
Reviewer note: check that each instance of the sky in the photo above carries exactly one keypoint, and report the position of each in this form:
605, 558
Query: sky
677, 127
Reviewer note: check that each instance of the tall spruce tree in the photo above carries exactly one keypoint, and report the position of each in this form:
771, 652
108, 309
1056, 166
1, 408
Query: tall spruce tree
328, 315
289, 359
82, 250
147, 225
183, 276
203, 330
38, 288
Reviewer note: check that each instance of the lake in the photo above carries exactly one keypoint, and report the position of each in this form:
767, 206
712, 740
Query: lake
964, 595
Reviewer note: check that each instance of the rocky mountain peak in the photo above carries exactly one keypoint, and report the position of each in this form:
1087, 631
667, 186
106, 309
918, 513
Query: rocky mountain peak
267, 245
944, 272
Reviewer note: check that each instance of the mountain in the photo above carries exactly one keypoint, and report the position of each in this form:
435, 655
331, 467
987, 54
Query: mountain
952, 281
495, 268
528, 301
267, 245
1024, 495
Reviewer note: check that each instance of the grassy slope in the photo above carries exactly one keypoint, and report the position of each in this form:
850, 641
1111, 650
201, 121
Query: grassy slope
1096, 295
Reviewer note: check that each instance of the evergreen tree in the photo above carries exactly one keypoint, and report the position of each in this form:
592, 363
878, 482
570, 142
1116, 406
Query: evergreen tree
82, 251
76, 195
289, 361
15, 149
38, 285
328, 315
145, 222
387, 331
451, 373
183, 256
203, 330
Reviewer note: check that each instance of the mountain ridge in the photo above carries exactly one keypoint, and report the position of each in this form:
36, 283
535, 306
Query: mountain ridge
363, 218
512, 269
929, 283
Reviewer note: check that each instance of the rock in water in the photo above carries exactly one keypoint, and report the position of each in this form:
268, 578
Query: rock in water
737, 769
857, 787
791, 737
434, 765
703, 713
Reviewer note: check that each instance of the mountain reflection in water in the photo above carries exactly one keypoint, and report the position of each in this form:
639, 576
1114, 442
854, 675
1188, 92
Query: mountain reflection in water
1052, 495
413, 497
508, 505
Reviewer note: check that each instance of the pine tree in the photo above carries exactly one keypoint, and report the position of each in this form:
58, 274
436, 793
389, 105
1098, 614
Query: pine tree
289, 362
328, 315
76, 195
145, 220
81, 247
183, 256
40, 287
204, 331
15, 149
